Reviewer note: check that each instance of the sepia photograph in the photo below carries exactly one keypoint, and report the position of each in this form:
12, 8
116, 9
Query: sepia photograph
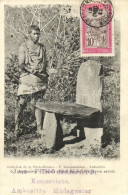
62, 81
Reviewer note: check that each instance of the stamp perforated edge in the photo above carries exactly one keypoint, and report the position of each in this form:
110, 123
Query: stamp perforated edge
97, 54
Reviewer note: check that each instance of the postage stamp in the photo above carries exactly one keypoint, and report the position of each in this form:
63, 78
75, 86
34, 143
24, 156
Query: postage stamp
97, 32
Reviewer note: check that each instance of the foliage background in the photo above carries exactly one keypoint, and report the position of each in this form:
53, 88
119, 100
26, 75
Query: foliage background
60, 33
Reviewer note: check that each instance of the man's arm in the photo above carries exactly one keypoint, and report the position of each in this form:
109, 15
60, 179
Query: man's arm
22, 64
44, 63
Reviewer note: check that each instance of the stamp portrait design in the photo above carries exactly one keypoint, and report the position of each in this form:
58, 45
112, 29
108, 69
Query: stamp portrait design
97, 28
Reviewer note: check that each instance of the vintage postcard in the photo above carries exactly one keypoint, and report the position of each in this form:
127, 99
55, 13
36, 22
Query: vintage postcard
63, 97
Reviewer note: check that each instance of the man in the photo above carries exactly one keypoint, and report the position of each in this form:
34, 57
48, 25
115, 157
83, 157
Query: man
33, 76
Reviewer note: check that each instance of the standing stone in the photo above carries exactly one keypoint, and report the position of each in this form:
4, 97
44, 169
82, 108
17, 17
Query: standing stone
50, 128
93, 137
53, 131
88, 93
89, 86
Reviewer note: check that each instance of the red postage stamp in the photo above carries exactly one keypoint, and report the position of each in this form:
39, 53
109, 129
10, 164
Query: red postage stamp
97, 35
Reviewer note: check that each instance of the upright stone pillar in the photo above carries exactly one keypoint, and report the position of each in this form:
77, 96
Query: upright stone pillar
50, 128
89, 85
53, 131
88, 93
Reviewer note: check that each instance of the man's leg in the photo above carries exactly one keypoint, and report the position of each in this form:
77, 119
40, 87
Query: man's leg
39, 113
21, 104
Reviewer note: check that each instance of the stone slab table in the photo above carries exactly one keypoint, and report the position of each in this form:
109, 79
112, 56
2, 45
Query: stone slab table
85, 116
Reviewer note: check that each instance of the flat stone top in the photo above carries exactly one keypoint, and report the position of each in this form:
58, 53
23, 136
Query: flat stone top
68, 109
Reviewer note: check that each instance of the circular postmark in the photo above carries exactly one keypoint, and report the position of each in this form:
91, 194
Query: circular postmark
96, 13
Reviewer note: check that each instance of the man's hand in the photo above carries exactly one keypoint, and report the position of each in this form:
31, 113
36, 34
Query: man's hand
35, 72
42, 76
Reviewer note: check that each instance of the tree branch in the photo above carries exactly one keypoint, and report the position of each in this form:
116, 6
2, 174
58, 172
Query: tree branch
36, 18
64, 20
13, 38
46, 37
56, 38
11, 27
22, 13
49, 21
33, 17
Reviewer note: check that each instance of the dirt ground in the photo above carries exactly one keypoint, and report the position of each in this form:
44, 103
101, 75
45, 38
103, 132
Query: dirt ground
31, 144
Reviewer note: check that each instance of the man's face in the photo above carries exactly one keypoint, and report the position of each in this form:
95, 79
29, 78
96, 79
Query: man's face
34, 35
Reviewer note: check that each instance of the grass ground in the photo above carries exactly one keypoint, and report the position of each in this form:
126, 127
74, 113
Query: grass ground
32, 145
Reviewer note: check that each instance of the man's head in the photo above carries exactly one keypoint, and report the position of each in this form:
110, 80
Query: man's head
34, 33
